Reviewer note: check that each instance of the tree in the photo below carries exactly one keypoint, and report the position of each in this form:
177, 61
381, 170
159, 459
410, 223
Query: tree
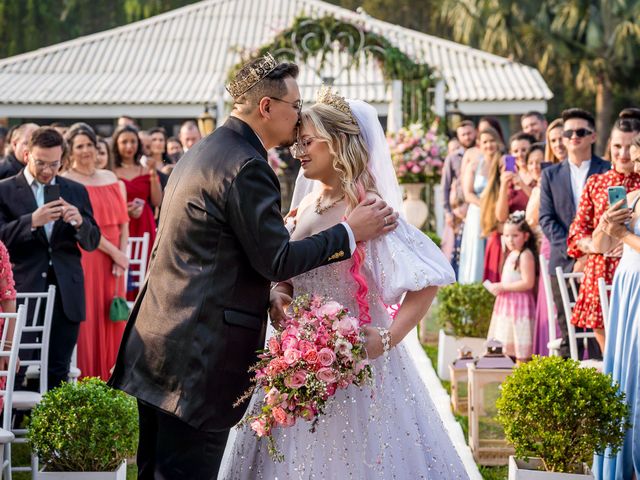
591, 44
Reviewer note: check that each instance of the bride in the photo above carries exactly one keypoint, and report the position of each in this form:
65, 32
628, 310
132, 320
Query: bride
391, 430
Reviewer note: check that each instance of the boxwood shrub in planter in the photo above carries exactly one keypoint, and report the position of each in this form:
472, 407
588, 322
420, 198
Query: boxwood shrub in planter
562, 413
463, 314
84, 427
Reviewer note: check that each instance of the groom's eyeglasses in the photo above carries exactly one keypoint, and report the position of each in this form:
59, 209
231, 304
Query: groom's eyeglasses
580, 133
299, 149
297, 104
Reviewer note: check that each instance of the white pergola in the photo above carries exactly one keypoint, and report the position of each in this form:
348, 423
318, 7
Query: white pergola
170, 65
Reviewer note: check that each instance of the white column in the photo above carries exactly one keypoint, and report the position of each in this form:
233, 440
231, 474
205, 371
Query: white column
394, 119
439, 101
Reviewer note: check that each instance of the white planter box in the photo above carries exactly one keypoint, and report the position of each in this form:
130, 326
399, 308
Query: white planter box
119, 474
448, 346
521, 470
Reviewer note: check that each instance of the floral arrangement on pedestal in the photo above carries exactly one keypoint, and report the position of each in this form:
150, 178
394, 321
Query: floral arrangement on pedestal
418, 154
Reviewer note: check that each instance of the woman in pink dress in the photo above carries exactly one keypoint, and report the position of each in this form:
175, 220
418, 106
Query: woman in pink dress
144, 192
99, 337
7, 302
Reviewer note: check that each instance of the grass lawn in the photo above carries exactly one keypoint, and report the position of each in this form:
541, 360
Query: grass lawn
431, 349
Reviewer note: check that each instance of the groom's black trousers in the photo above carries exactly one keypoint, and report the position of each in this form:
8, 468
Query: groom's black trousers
170, 449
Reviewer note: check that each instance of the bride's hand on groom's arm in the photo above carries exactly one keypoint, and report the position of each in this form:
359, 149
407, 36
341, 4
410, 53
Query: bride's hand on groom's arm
279, 302
372, 218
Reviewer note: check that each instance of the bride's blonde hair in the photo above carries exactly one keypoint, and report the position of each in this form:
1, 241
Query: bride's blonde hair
346, 145
336, 126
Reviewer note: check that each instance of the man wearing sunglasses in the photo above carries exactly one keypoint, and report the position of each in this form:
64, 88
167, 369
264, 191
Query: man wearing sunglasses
560, 190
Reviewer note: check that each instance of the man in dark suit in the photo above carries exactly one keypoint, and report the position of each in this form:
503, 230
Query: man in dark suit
42, 239
560, 190
14, 162
201, 315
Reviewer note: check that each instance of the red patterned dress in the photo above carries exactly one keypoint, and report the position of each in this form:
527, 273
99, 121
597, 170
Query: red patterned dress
7, 292
593, 203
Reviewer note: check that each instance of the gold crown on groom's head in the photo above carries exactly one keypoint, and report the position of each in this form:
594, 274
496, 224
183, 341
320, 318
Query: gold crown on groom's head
327, 96
250, 74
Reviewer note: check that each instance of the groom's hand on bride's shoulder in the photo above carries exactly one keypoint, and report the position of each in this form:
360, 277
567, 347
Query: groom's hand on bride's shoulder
279, 302
372, 218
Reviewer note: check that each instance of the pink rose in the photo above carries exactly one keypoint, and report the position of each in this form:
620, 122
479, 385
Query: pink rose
311, 356
330, 309
291, 356
296, 380
274, 346
304, 346
260, 427
416, 169
326, 375
289, 421
326, 357
347, 326
289, 343
279, 415
273, 397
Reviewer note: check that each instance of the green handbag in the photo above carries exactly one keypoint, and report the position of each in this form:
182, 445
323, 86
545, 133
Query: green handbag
119, 310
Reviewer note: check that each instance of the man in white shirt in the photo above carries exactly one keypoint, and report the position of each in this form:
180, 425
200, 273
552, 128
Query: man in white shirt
560, 190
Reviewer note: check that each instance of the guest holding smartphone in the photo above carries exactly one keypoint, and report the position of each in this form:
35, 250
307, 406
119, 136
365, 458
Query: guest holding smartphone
622, 349
594, 202
142, 184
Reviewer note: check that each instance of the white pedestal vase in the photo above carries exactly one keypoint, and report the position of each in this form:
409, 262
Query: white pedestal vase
521, 470
415, 209
119, 474
448, 346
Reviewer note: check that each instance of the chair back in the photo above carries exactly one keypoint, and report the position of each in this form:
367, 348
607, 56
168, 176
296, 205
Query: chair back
9, 348
137, 252
604, 291
566, 282
37, 305
554, 342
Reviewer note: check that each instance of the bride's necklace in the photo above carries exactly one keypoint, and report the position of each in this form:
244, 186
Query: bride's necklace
320, 209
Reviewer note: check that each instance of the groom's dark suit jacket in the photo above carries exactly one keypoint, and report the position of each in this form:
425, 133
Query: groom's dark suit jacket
201, 314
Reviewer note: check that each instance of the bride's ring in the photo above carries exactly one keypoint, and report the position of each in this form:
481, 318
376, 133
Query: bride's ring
385, 221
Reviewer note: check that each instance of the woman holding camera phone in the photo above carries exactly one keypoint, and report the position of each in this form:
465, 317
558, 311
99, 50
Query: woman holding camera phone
622, 350
594, 202
144, 192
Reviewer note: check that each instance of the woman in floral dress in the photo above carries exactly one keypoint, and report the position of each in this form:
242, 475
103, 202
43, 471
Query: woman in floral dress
594, 201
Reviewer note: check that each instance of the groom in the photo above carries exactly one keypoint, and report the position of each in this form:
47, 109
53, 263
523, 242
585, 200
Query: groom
201, 314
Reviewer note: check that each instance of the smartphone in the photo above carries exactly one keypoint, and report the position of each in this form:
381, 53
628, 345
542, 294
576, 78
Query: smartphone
51, 193
616, 194
510, 163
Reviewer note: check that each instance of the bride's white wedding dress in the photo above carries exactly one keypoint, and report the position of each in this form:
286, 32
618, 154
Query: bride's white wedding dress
392, 430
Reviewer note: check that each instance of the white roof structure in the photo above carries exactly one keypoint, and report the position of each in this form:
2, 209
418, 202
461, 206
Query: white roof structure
172, 64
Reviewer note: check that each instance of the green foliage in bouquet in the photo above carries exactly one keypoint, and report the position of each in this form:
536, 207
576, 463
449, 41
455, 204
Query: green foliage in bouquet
84, 427
556, 410
465, 310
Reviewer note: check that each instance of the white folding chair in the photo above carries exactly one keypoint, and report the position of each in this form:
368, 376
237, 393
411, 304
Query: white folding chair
605, 291
566, 281
137, 252
554, 343
9, 348
25, 400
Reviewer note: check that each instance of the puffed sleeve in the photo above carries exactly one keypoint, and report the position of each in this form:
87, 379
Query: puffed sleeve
7, 285
406, 260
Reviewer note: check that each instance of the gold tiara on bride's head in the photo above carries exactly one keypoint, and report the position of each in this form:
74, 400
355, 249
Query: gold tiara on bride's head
251, 74
331, 98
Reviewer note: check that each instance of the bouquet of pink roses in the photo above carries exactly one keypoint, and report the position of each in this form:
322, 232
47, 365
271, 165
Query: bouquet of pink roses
320, 350
418, 155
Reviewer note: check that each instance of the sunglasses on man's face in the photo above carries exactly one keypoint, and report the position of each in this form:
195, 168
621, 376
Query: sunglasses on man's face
580, 133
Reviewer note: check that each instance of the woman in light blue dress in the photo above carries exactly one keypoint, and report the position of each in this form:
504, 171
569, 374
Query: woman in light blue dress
622, 352
473, 245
